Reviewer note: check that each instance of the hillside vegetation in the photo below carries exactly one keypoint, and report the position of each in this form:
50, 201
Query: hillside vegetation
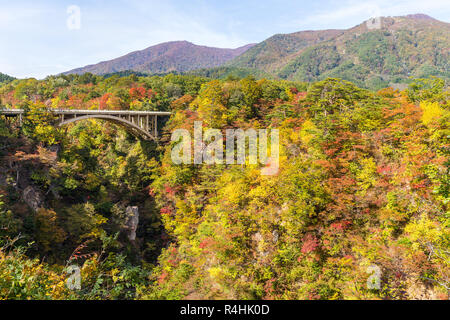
175, 56
403, 47
5, 78
372, 57
278, 49
363, 183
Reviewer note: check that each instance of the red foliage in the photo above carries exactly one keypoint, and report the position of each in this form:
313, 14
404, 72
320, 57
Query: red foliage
165, 210
419, 185
137, 93
151, 192
310, 243
300, 96
151, 93
384, 169
203, 244
103, 101
162, 277
340, 226
169, 190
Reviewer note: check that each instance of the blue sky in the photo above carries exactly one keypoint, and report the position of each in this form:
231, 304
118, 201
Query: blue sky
37, 42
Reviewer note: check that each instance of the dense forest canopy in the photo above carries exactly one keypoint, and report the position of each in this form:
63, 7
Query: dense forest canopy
5, 78
363, 182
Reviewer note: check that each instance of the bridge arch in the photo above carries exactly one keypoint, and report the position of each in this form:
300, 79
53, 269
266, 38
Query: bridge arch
124, 123
142, 124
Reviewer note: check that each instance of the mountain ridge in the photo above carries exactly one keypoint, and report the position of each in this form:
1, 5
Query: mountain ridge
375, 53
165, 57
372, 54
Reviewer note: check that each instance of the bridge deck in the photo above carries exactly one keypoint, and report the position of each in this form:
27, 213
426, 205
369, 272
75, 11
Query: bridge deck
140, 123
15, 112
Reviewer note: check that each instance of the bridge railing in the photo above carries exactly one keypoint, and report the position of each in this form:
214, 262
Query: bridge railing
87, 112
144, 123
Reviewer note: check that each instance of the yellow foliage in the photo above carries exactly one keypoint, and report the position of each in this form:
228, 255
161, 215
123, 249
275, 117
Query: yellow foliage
431, 112
308, 132
366, 176
425, 231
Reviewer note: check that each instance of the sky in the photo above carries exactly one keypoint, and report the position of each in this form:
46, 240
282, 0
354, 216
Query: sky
45, 37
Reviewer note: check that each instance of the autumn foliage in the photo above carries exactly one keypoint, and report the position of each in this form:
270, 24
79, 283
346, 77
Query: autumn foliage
363, 182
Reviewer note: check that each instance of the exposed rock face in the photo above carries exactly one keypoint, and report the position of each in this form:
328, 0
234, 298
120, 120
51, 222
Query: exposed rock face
276, 236
418, 291
3, 180
56, 148
261, 246
132, 221
33, 198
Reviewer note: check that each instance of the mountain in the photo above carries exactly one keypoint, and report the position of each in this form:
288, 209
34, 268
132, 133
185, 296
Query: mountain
373, 54
5, 78
177, 56
278, 49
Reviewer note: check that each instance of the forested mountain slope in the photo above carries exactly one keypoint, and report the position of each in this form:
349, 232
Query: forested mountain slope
5, 78
413, 45
166, 57
374, 55
276, 51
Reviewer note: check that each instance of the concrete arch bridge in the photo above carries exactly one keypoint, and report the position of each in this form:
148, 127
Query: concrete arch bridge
142, 124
